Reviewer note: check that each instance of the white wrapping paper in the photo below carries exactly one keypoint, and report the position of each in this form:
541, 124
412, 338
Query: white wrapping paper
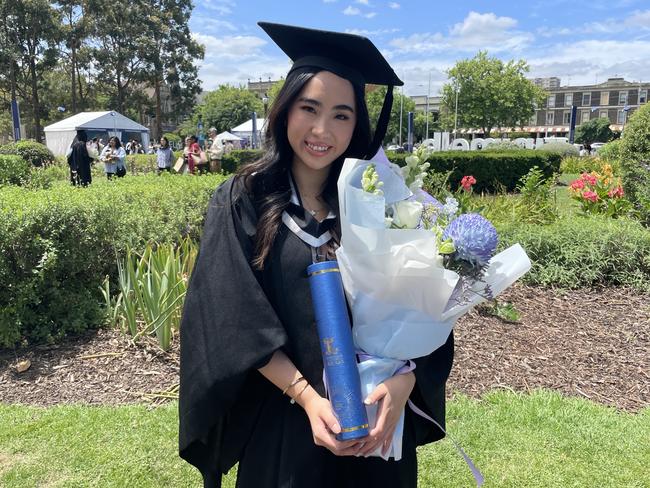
402, 299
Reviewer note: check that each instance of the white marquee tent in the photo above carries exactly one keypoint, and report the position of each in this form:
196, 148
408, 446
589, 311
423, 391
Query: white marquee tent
59, 136
245, 130
227, 136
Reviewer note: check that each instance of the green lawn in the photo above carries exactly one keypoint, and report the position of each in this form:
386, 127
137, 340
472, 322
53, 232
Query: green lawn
538, 440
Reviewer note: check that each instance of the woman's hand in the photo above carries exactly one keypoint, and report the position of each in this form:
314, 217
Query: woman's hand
392, 395
325, 426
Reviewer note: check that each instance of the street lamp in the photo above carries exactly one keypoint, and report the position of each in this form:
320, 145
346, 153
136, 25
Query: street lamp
265, 101
456, 113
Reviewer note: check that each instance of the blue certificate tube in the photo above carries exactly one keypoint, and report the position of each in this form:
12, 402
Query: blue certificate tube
337, 348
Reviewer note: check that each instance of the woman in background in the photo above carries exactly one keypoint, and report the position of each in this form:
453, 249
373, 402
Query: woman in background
164, 156
114, 158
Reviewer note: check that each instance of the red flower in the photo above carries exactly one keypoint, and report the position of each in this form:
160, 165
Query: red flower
467, 182
616, 192
577, 185
590, 195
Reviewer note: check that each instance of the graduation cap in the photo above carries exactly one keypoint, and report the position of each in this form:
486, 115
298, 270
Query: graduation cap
349, 56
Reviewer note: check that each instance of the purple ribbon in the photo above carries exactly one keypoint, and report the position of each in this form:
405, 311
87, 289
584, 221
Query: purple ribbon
410, 366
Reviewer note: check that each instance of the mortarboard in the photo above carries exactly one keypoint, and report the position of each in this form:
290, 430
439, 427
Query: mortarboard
349, 56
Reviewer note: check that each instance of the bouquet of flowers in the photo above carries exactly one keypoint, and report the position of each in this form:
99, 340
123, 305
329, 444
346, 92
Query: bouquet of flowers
410, 268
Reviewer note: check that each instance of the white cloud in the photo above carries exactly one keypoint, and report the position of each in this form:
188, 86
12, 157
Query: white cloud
363, 2
233, 47
394, 5
221, 7
368, 33
370, 15
350, 10
329, 1
477, 31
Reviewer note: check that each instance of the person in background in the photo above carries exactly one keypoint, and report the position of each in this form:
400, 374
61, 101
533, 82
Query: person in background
164, 156
79, 160
215, 152
191, 153
114, 158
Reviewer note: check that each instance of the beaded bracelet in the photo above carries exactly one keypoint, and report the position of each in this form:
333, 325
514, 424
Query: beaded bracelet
293, 383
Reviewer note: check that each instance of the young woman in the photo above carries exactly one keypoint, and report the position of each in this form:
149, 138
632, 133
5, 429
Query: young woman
191, 153
252, 386
114, 158
164, 156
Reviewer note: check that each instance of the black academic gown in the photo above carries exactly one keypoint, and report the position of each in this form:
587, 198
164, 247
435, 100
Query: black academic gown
79, 162
234, 319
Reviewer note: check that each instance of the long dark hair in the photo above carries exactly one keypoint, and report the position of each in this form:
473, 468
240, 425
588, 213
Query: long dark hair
118, 143
267, 179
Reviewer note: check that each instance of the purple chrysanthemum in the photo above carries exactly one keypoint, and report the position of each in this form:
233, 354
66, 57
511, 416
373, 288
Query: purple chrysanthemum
474, 238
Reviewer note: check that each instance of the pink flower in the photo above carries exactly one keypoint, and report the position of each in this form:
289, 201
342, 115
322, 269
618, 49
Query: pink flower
467, 182
577, 185
616, 192
590, 179
590, 195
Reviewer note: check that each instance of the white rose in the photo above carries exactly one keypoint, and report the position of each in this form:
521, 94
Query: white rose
407, 214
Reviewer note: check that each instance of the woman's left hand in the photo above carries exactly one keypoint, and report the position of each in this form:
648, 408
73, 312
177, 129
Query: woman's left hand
392, 395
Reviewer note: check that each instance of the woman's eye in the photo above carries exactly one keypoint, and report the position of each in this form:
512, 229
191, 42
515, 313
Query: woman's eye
308, 108
342, 117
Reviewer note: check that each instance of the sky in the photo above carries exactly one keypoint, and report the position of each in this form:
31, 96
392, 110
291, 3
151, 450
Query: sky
581, 42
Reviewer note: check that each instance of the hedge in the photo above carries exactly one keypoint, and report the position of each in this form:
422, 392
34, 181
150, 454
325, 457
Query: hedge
231, 162
33, 152
57, 245
583, 252
635, 161
493, 170
14, 170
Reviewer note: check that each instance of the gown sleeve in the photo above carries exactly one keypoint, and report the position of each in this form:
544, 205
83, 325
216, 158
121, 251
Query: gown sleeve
431, 375
229, 329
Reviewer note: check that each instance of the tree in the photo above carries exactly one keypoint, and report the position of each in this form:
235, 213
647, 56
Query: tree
75, 30
118, 38
274, 90
168, 53
375, 101
227, 107
491, 93
594, 130
30, 34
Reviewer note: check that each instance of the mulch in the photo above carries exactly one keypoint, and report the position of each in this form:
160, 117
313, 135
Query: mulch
589, 343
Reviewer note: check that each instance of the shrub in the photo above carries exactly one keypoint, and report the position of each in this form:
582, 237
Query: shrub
33, 152
14, 170
503, 146
493, 170
583, 252
536, 204
56, 246
397, 158
611, 153
517, 135
587, 164
561, 148
635, 161
600, 193
231, 162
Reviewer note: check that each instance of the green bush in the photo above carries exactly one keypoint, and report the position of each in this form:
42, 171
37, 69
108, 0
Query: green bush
561, 148
231, 162
142, 164
33, 152
611, 153
397, 158
56, 246
635, 161
587, 164
583, 252
14, 170
503, 146
493, 170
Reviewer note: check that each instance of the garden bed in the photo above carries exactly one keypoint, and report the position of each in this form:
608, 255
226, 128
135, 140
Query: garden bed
589, 343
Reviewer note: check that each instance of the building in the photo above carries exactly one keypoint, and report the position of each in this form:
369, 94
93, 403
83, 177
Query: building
433, 108
261, 88
615, 99
547, 83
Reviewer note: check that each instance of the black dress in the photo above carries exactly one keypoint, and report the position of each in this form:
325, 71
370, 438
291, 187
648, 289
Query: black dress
79, 162
234, 320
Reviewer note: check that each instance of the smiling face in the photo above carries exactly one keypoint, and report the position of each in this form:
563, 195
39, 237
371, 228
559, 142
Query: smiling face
321, 121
